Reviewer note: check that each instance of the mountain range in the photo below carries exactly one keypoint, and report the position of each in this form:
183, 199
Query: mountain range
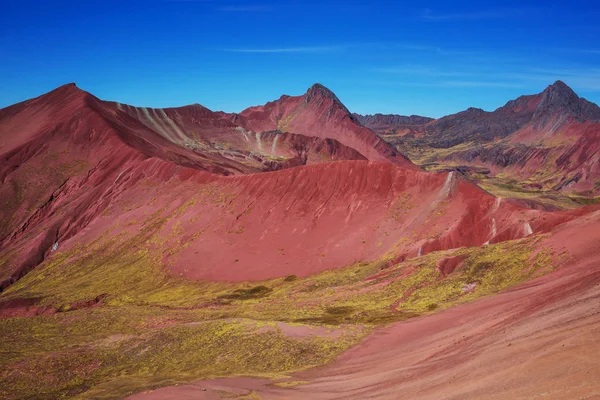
148, 232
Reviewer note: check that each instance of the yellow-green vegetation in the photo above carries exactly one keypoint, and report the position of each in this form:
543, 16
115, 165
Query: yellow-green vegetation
510, 188
535, 185
154, 329
527, 183
108, 352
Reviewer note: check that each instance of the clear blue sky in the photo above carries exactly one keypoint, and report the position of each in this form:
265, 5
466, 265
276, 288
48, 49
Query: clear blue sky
431, 58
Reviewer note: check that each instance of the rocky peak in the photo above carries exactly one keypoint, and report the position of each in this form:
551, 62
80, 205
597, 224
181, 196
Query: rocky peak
559, 95
559, 100
318, 92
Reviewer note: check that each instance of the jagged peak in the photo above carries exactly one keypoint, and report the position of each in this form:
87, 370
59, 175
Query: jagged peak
318, 88
559, 99
318, 91
559, 91
559, 85
558, 95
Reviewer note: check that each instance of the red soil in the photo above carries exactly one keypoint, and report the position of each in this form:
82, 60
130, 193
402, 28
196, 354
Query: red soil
308, 219
297, 221
67, 150
80, 166
539, 339
211, 133
319, 113
571, 152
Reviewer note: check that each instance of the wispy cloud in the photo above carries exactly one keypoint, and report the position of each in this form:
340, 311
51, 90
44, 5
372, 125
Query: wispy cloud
475, 84
589, 51
307, 49
583, 79
446, 84
420, 70
335, 48
245, 8
430, 15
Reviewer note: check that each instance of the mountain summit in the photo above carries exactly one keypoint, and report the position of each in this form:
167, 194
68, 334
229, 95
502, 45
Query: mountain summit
320, 113
560, 101
319, 93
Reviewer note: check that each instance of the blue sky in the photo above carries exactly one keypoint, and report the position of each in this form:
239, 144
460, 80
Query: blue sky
429, 58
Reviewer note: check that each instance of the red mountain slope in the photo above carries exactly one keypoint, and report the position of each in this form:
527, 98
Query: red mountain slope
540, 337
201, 130
69, 149
319, 113
115, 206
548, 140
100, 161
298, 221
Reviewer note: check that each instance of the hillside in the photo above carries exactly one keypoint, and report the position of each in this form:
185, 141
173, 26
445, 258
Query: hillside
534, 147
153, 248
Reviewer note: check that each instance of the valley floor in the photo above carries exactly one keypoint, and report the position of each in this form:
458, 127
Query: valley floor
540, 340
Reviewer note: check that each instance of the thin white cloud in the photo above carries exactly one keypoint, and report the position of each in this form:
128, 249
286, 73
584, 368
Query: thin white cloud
307, 49
468, 84
418, 70
245, 8
451, 84
334, 48
583, 79
429, 15
576, 50
590, 51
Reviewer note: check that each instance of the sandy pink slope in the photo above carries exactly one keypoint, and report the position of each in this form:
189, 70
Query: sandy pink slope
308, 219
538, 340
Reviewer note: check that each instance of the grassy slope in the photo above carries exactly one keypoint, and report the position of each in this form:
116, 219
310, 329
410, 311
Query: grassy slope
154, 329
505, 185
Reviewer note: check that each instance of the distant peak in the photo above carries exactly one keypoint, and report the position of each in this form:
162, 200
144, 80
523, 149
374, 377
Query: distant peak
318, 92
318, 86
560, 88
68, 86
68, 89
559, 99
559, 95
475, 110
560, 84
391, 119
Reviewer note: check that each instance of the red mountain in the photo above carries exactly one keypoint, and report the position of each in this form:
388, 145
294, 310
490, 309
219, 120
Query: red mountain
69, 148
319, 113
550, 139
148, 247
